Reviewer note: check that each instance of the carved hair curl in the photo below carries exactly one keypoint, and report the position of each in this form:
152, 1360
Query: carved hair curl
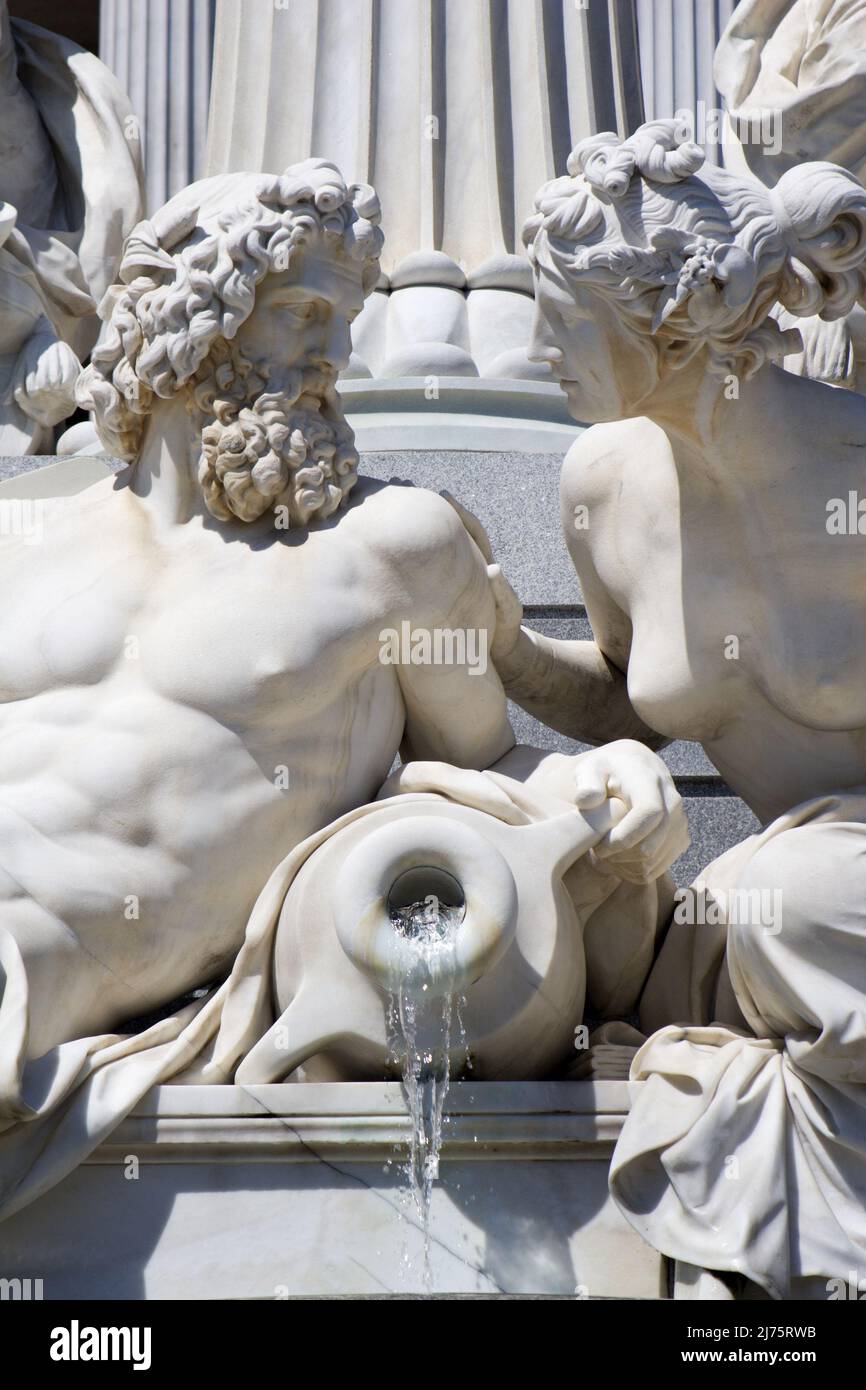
698, 261
189, 277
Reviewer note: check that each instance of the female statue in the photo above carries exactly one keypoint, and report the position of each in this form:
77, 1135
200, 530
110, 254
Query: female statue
713, 515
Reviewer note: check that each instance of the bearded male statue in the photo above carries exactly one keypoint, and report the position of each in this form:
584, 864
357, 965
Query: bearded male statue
191, 666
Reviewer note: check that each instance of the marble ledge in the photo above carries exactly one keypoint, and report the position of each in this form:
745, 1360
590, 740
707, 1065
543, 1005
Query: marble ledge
516, 1120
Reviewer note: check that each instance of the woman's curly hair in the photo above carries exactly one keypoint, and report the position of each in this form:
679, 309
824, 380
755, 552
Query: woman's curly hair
700, 260
189, 276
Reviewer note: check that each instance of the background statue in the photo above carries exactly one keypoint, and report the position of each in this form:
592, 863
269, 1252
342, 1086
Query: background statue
793, 76
803, 62
70, 190
712, 514
195, 678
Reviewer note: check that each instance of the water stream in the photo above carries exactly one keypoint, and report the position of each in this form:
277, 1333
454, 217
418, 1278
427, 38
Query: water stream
421, 1026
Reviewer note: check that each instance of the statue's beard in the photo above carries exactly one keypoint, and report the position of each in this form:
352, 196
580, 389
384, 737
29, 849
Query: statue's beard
276, 440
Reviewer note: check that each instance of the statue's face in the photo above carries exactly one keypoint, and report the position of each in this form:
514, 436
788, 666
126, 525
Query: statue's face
287, 443
602, 367
302, 316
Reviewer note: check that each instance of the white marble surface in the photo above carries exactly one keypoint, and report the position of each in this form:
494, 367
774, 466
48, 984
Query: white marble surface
453, 112
677, 40
435, 413
542, 928
269, 1192
793, 77
162, 57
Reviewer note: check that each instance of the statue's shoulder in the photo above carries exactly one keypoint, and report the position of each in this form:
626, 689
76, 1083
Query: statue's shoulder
614, 440
412, 541
398, 518
604, 451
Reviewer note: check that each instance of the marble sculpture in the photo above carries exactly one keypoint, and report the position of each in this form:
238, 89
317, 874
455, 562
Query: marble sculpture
198, 696
726, 601
793, 77
208, 839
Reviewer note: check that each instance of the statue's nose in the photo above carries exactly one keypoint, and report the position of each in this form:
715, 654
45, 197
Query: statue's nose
336, 345
542, 344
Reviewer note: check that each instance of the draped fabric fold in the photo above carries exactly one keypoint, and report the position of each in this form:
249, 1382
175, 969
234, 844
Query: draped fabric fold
96, 198
745, 1148
793, 76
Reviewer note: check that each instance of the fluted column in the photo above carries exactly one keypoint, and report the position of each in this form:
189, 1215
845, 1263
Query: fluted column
161, 52
456, 110
677, 41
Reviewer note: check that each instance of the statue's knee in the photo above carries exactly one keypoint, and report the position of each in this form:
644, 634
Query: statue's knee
804, 882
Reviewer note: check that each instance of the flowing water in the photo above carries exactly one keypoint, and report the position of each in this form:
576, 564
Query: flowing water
421, 1029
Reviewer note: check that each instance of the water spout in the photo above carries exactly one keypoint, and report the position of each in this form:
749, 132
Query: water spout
425, 907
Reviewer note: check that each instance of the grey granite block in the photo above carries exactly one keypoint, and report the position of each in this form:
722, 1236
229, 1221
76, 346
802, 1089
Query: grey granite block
716, 824
13, 464
515, 496
685, 760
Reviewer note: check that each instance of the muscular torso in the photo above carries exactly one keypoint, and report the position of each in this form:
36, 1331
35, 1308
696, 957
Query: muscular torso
178, 711
740, 620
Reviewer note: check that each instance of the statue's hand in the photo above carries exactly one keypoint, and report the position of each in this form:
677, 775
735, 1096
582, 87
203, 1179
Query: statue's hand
653, 832
509, 609
46, 373
612, 1048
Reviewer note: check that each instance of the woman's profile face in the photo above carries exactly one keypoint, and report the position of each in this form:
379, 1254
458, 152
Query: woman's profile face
602, 367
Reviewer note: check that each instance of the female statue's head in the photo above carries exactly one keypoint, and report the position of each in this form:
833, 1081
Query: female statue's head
642, 262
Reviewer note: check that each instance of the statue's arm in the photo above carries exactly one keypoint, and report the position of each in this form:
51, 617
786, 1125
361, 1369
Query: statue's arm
573, 687
455, 711
577, 687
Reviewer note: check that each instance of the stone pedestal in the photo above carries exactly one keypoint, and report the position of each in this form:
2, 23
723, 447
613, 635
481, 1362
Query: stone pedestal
288, 1191
409, 414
